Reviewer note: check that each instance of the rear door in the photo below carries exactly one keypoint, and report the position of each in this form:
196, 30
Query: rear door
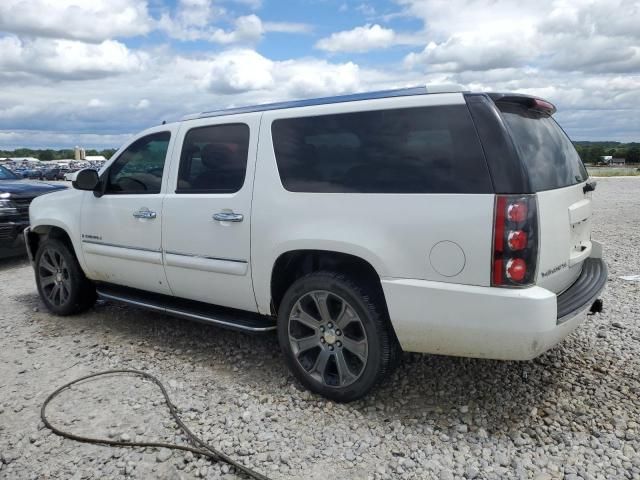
206, 231
558, 177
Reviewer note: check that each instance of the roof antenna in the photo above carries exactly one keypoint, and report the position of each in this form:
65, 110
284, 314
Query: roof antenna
164, 122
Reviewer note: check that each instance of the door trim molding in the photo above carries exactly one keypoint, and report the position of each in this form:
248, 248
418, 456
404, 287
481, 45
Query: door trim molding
191, 261
146, 255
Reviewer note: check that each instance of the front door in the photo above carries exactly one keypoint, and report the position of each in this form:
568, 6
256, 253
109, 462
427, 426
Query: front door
207, 212
121, 230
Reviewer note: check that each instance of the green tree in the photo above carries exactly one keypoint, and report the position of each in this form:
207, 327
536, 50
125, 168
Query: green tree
595, 153
108, 152
633, 155
46, 155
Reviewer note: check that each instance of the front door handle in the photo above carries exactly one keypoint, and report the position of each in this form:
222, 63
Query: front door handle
228, 217
145, 213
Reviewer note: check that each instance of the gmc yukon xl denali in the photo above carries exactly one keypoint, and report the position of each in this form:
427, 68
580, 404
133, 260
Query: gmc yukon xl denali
424, 220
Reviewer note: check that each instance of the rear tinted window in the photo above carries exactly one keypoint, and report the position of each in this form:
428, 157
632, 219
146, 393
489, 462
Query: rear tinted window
547, 152
214, 159
411, 150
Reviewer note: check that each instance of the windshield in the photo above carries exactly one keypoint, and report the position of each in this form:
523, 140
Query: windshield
6, 174
548, 154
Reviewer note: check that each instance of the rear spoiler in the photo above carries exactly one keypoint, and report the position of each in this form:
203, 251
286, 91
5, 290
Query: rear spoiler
528, 101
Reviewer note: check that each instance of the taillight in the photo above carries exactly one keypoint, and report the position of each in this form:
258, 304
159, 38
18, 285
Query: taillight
515, 241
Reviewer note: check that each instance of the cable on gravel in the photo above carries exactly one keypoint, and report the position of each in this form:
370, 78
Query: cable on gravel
201, 447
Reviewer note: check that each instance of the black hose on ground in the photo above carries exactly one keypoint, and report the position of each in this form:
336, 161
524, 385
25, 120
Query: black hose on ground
202, 448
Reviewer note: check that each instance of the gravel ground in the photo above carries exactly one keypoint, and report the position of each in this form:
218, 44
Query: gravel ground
572, 413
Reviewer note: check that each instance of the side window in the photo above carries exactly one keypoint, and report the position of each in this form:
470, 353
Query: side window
214, 159
409, 150
139, 168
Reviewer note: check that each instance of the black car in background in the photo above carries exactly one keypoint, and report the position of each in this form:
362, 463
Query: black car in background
54, 174
15, 196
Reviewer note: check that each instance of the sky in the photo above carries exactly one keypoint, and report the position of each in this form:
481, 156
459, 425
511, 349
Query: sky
94, 72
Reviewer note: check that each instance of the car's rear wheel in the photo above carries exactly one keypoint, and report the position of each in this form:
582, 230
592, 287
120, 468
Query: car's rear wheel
335, 336
62, 285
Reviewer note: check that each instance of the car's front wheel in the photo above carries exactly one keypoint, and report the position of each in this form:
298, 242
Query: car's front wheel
335, 336
62, 285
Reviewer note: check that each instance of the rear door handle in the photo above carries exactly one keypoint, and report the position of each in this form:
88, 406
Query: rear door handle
145, 213
228, 217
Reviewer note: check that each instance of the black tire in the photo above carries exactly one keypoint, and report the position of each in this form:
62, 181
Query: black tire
56, 266
372, 323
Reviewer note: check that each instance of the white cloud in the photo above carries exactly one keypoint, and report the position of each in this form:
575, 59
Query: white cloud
360, 39
95, 103
561, 35
308, 78
71, 59
236, 71
93, 20
248, 29
287, 27
471, 51
246, 71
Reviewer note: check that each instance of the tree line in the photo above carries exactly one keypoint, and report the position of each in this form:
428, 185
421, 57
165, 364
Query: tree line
590, 152
50, 154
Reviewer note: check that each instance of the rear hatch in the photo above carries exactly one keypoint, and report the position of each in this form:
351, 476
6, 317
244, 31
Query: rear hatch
558, 177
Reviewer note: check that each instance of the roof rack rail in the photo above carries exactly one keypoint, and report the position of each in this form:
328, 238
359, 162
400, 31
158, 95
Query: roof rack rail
401, 92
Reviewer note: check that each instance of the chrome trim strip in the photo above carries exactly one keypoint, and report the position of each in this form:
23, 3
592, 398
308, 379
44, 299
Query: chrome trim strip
171, 252
180, 313
105, 244
145, 255
206, 264
219, 322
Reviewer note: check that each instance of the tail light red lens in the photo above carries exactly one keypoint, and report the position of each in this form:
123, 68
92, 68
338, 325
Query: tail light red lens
517, 212
516, 269
515, 241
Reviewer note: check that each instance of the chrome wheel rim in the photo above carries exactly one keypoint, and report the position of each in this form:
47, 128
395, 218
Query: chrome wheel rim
328, 339
54, 277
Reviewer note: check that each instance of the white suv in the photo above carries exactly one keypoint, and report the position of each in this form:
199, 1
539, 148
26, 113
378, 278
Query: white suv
358, 226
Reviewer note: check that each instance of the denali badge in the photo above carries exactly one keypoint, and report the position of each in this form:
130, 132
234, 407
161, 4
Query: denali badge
91, 237
555, 269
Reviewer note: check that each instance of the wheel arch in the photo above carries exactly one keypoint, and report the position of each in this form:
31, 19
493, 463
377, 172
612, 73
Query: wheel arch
39, 233
294, 264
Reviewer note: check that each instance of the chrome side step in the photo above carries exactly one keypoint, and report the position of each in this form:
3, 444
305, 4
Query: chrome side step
188, 309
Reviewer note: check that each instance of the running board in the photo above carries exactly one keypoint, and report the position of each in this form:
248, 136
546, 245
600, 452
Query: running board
189, 309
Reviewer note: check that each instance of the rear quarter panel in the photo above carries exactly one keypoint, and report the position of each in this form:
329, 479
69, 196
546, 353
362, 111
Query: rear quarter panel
395, 233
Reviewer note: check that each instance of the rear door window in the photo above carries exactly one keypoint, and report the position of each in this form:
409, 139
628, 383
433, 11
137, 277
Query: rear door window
546, 151
214, 159
410, 150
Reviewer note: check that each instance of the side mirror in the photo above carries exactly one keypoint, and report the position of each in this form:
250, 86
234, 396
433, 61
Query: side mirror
86, 179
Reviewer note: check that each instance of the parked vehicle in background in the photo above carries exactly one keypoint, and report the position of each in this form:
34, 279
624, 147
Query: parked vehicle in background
54, 174
16, 195
34, 174
427, 220
70, 176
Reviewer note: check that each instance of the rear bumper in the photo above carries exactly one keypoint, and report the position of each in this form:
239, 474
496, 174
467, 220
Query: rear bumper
584, 291
487, 322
